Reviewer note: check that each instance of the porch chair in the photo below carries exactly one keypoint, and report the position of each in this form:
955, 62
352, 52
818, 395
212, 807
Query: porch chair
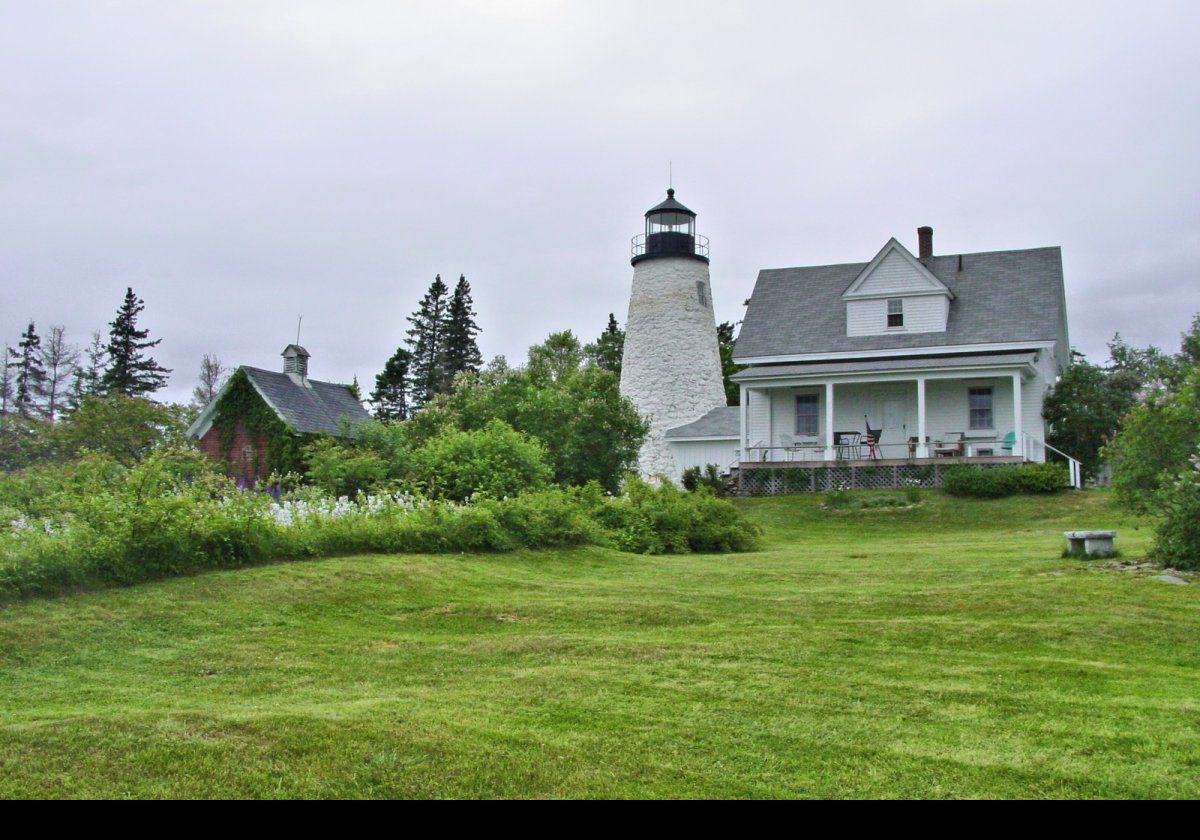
951, 445
1009, 443
872, 440
788, 443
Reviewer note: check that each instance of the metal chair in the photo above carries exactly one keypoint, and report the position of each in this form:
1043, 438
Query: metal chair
847, 445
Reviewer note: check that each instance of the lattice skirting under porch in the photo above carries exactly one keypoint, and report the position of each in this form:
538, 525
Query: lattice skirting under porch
774, 481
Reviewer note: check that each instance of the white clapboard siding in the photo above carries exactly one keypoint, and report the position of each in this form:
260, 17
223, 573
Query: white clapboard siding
700, 453
922, 314
760, 416
894, 275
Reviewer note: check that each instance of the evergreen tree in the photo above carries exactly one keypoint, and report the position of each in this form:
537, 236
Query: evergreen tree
462, 351
607, 350
390, 397
427, 340
87, 376
725, 342
59, 358
29, 376
129, 371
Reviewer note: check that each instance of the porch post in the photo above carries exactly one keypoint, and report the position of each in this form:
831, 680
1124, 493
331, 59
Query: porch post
829, 453
1019, 443
744, 412
922, 449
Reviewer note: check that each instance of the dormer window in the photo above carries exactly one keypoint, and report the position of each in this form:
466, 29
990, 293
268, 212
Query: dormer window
895, 313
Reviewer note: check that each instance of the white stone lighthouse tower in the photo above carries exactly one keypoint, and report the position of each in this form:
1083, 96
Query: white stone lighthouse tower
671, 368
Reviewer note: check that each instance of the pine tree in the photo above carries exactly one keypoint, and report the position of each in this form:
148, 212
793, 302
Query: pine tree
427, 340
390, 397
59, 359
462, 351
606, 351
87, 377
29, 377
725, 343
129, 372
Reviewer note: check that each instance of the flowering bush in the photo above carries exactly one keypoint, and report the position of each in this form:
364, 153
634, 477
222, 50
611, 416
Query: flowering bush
98, 523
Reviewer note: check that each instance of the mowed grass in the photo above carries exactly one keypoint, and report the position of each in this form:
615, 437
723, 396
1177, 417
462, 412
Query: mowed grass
947, 651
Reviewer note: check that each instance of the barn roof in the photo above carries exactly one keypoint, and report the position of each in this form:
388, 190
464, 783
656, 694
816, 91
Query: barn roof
310, 408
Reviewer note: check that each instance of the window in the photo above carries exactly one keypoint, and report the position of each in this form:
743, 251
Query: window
702, 293
806, 415
895, 313
979, 401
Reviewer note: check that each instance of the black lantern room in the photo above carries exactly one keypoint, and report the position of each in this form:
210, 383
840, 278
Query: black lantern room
670, 232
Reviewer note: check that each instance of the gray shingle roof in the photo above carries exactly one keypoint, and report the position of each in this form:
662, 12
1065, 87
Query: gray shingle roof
720, 422
1000, 296
864, 366
318, 409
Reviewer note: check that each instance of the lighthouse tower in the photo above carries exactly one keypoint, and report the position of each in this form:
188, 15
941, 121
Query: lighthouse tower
671, 368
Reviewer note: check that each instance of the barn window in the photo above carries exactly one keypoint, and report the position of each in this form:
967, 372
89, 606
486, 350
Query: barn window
979, 401
806, 415
702, 293
895, 312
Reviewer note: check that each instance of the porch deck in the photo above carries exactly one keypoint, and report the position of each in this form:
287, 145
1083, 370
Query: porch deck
768, 478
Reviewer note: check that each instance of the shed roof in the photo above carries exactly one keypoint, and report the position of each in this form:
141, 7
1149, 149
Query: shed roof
721, 422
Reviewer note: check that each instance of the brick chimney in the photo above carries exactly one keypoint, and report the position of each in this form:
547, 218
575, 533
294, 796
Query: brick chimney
924, 241
295, 364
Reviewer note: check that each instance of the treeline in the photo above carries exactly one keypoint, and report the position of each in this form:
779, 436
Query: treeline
43, 378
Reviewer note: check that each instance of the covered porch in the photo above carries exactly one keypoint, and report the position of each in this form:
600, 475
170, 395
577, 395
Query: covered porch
891, 412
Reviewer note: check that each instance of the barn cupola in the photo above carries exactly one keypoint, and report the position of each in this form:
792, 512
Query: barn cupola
295, 364
670, 232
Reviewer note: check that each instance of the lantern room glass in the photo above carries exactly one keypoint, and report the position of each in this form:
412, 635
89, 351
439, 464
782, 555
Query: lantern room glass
669, 222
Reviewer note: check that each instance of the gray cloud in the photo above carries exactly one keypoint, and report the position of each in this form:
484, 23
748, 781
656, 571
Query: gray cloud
240, 163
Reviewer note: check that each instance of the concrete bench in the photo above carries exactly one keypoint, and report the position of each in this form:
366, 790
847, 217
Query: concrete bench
1091, 543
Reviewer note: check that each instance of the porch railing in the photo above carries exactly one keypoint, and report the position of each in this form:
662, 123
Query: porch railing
1074, 467
862, 452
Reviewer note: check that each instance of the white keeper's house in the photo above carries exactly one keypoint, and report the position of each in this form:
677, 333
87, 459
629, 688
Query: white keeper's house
870, 373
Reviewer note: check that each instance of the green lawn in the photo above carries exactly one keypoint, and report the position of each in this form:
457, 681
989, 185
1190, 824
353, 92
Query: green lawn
947, 651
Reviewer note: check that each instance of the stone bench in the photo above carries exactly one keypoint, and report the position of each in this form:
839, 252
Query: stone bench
1091, 543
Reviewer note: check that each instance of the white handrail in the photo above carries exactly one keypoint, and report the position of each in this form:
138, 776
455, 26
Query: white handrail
1074, 467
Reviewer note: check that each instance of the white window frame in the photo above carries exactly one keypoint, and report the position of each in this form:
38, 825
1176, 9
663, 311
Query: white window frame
979, 390
815, 400
899, 310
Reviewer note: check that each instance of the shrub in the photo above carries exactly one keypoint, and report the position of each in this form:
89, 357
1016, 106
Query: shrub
710, 477
995, 482
1177, 540
666, 520
495, 460
101, 523
342, 470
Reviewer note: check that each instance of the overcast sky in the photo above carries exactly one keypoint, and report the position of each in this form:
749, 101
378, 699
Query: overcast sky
241, 163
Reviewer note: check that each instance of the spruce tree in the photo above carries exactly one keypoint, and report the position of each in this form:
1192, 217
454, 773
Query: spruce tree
462, 351
606, 351
129, 371
87, 377
390, 397
725, 344
427, 340
29, 376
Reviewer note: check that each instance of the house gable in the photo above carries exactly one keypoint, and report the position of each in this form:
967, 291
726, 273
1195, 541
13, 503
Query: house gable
895, 272
895, 293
